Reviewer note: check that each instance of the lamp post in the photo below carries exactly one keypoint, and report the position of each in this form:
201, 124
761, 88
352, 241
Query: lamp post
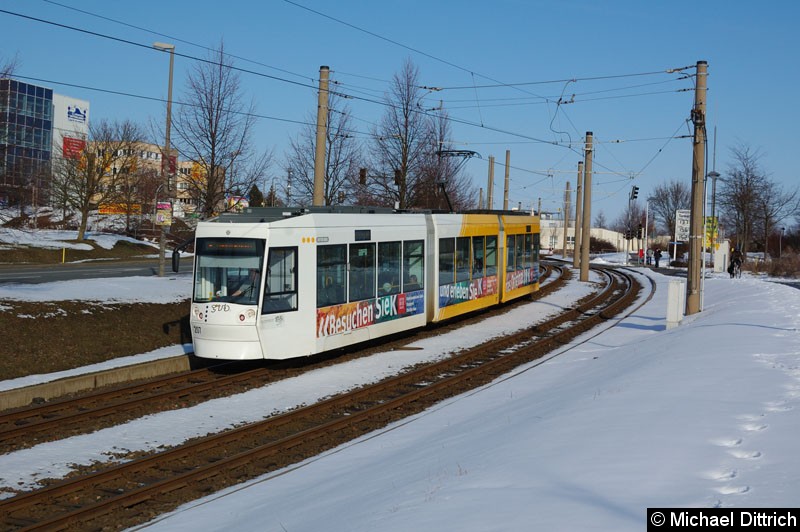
162, 241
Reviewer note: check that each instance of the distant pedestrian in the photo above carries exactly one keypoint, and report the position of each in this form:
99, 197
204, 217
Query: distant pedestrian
641, 256
736, 263
657, 256
649, 257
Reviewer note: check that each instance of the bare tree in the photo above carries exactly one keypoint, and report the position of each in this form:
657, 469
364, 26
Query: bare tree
666, 199
342, 159
600, 220
775, 206
630, 218
402, 141
8, 66
214, 127
136, 186
740, 195
441, 184
89, 179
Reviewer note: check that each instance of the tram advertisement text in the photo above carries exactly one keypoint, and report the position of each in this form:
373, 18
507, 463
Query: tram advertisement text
339, 319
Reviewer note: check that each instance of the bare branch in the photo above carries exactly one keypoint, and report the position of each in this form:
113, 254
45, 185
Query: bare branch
214, 128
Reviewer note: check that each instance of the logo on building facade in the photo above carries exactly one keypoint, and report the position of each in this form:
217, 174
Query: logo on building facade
76, 114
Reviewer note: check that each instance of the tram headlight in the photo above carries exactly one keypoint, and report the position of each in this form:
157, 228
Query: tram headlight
248, 315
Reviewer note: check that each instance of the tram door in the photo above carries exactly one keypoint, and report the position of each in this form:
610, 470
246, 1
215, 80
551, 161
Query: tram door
279, 329
280, 287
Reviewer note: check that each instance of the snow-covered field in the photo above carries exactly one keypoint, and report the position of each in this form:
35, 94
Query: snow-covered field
702, 415
57, 239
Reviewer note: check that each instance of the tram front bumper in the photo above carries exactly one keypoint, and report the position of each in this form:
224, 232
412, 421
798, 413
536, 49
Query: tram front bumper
226, 342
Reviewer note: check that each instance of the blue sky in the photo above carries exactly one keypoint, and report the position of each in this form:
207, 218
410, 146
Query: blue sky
751, 50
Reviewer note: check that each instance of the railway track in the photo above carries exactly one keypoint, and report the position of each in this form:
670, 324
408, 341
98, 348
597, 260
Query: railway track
26, 427
136, 491
78, 415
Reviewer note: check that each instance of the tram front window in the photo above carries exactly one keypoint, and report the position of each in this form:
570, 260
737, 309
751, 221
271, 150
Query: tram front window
228, 270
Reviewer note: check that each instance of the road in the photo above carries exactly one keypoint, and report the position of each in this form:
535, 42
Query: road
48, 273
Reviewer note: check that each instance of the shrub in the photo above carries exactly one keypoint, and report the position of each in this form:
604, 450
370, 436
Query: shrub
786, 266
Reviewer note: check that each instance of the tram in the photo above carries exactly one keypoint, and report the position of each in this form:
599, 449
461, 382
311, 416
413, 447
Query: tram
277, 283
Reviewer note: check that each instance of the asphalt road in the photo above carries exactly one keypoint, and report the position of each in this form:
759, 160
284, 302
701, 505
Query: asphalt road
48, 273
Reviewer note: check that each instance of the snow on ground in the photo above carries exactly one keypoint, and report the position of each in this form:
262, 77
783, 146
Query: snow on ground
702, 415
58, 239
109, 290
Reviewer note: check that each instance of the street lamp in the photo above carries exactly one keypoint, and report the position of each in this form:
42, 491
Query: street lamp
162, 241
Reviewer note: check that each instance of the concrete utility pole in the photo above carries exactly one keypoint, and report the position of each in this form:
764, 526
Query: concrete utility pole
322, 131
490, 186
696, 236
567, 199
505, 186
578, 219
587, 208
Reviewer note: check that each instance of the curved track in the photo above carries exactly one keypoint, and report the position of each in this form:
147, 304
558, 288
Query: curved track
29, 426
136, 491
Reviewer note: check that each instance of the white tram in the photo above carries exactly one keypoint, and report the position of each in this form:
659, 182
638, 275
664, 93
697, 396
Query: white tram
278, 283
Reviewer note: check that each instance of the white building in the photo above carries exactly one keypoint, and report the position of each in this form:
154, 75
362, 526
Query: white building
552, 234
70, 126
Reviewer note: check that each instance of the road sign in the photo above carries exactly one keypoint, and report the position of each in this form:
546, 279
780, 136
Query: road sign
682, 225
163, 213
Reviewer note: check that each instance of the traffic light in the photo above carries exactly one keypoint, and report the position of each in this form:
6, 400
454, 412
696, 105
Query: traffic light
628, 235
639, 231
362, 176
634, 192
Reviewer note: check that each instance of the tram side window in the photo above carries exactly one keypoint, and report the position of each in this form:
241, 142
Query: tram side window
510, 247
362, 271
477, 257
447, 271
331, 275
520, 252
280, 290
491, 255
462, 258
528, 250
388, 268
413, 265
